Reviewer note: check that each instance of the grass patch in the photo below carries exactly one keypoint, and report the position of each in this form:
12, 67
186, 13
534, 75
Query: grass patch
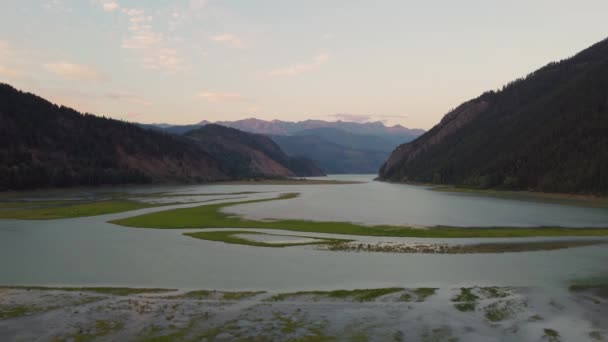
197, 294
110, 204
69, 210
424, 292
185, 333
211, 216
317, 337
418, 295
241, 295
466, 295
465, 307
466, 300
289, 325
358, 337
498, 311
116, 291
600, 290
596, 335
170, 195
361, 295
36, 204
230, 237
102, 328
551, 335
15, 311
207, 294
438, 334
494, 292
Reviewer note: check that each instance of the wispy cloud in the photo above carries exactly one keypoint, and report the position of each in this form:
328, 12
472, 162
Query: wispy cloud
5, 50
127, 96
151, 45
228, 39
221, 97
110, 6
14, 62
141, 36
73, 71
57, 5
107, 5
9, 72
300, 68
165, 59
186, 14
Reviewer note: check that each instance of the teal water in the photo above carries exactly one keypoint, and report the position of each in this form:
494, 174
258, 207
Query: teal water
89, 251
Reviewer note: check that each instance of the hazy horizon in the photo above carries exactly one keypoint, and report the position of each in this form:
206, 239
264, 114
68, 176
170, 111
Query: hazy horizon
182, 62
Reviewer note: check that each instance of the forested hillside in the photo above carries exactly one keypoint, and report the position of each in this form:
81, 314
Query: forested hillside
42, 144
249, 154
546, 132
333, 146
331, 157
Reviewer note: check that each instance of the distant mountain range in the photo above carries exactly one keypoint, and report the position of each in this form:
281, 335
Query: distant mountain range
43, 145
278, 127
336, 147
547, 132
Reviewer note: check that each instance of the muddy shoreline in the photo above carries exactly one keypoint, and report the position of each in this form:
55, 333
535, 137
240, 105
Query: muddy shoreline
397, 314
444, 248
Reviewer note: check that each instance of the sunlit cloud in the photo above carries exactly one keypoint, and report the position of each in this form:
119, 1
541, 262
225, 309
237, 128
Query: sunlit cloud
300, 68
228, 39
110, 6
221, 97
154, 49
165, 59
57, 5
5, 50
9, 72
14, 63
141, 36
73, 71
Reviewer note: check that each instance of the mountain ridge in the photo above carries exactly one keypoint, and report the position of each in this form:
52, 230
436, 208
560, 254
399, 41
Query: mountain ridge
46, 145
335, 146
250, 154
545, 132
280, 127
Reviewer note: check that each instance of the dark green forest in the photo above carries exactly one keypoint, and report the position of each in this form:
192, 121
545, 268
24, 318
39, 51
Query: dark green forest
42, 144
237, 151
46, 145
545, 132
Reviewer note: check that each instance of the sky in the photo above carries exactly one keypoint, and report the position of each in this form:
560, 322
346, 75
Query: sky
180, 62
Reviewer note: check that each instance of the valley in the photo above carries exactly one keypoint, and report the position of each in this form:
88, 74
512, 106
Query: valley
304, 171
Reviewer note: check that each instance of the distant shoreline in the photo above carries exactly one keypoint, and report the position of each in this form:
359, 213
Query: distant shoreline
568, 198
262, 181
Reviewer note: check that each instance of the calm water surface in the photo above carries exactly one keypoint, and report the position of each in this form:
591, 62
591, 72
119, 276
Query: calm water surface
89, 251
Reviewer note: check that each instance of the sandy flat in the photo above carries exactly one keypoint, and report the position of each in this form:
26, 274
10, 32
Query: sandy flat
278, 239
